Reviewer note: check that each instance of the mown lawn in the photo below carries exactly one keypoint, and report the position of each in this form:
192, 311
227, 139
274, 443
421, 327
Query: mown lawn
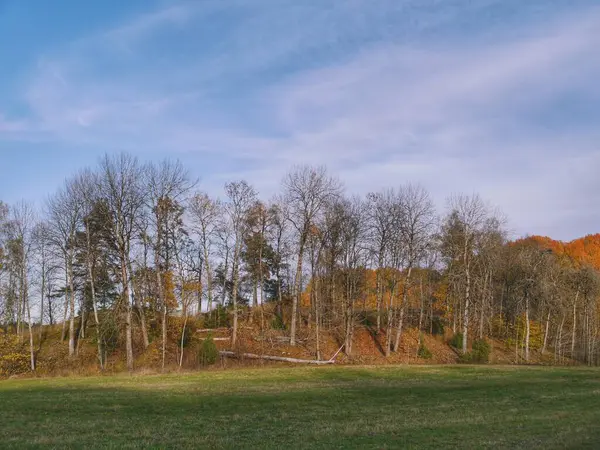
330, 407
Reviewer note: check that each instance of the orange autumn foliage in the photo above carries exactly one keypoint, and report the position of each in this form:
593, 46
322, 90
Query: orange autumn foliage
585, 250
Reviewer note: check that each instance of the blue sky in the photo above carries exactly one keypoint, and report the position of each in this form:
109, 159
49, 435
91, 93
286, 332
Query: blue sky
499, 97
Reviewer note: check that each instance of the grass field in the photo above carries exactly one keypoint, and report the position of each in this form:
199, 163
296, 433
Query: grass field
331, 407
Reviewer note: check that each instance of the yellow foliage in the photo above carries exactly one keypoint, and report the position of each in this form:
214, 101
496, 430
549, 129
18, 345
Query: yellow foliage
14, 358
169, 288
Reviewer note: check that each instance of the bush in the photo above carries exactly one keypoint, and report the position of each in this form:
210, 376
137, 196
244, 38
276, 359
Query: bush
456, 341
208, 354
466, 358
14, 356
424, 352
480, 353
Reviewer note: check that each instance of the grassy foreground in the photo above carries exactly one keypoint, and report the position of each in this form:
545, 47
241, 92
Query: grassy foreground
330, 407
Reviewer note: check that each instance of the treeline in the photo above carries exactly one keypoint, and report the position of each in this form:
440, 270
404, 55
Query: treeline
127, 246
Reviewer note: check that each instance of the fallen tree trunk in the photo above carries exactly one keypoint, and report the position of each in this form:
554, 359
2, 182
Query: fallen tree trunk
213, 330
275, 358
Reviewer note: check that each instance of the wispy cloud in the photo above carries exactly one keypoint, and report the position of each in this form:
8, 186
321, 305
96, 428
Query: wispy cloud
382, 95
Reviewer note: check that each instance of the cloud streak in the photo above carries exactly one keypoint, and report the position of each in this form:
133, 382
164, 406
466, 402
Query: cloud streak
281, 83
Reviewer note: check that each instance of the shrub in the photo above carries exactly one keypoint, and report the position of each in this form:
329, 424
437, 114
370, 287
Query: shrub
465, 358
456, 341
424, 352
481, 351
208, 354
14, 357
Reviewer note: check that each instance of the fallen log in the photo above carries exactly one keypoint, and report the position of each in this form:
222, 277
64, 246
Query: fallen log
275, 358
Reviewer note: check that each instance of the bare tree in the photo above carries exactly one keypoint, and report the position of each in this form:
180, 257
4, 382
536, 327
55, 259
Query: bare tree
353, 259
415, 230
22, 222
120, 186
464, 223
380, 231
65, 215
241, 198
206, 214
46, 268
86, 185
167, 184
307, 191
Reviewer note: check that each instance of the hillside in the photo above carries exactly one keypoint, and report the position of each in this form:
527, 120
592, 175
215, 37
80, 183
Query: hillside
53, 359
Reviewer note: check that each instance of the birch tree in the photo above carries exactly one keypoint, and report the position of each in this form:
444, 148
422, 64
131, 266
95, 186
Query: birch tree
64, 217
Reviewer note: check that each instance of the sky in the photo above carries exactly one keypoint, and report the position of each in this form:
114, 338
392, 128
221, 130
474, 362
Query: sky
498, 97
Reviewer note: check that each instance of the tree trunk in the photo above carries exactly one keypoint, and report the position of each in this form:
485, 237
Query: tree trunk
209, 288
546, 333
297, 289
236, 277
183, 338
466, 310
72, 309
559, 337
405, 289
26, 299
24, 304
90, 268
127, 299
421, 311
574, 324
260, 281
164, 333
527, 329
390, 324
63, 334
379, 299
317, 318
161, 291
140, 309
274, 358
43, 291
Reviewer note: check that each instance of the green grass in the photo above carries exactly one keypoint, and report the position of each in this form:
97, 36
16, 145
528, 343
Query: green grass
330, 407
